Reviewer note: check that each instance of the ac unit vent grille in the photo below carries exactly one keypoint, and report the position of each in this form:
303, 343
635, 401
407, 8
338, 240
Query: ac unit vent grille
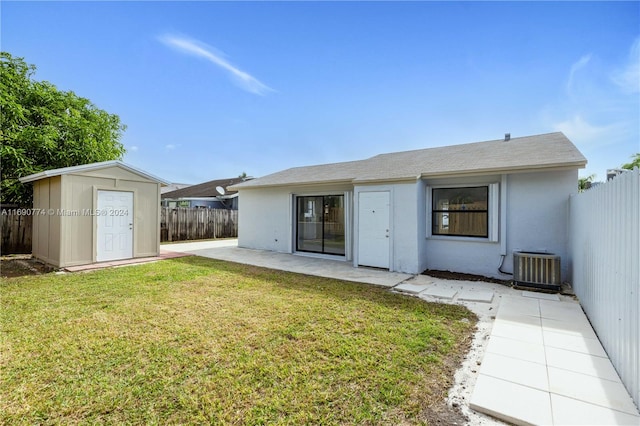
540, 270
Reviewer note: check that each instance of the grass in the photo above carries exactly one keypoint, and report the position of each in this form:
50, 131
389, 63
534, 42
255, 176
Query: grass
196, 340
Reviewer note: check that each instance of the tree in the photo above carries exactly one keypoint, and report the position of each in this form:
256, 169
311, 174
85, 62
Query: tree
44, 128
584, 183
635, 162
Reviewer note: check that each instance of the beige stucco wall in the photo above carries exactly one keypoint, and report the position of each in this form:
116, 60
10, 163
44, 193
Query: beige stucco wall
68, 236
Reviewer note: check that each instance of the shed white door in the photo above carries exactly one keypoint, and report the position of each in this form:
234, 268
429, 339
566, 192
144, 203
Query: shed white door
115, 225
373, 229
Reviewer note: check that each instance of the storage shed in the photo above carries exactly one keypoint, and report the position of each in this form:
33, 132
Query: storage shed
95, 213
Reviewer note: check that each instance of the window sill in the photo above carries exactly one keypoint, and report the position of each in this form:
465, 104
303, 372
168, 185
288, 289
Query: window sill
462, 239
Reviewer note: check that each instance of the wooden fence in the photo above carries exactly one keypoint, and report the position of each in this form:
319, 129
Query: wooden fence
181, 224
16, 232
605, 246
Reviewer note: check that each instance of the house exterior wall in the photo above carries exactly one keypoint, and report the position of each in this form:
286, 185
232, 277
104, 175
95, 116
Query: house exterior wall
538, 214
266, 219
536, 207
531, 208
458, 254
403, 218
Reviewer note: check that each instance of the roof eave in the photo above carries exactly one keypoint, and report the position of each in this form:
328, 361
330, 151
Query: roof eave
275, 185
88, 167
505, 170
412, 178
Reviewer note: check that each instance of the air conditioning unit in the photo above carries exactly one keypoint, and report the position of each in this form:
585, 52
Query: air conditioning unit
539, 270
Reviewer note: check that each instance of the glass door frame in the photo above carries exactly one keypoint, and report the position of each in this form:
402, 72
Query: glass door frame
345, 223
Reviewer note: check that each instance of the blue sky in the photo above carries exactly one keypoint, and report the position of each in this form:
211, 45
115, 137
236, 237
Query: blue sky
212, 89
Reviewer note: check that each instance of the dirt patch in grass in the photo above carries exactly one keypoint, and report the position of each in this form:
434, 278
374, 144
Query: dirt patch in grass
18, 265
195, 340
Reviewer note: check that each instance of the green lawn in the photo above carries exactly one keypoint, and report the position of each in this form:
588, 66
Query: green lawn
195, 340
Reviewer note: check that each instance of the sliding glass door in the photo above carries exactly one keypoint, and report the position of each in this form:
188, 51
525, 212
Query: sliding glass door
320, 224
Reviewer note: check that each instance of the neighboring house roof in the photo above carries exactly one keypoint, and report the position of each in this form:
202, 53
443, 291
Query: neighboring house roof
91, 167
205, 189
173, 187
551, 150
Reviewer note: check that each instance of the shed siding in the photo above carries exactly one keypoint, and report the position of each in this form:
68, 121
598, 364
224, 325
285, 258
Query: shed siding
64, 234
77, 226
46, 223
79, 195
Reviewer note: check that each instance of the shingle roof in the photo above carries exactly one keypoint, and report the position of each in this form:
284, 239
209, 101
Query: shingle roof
549, 150
205, 189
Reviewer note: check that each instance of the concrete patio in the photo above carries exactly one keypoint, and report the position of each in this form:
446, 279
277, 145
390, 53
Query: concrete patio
540, 361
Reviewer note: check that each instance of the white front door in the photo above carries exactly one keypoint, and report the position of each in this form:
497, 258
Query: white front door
373, 229
115, 225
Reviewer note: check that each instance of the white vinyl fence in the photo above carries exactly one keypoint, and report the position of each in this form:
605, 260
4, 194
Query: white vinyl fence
605, 247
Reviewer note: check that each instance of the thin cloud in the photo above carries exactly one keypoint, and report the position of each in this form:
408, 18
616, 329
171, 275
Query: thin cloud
196, 48
582, 62
170, 147
133, 148
628, 78
579, 129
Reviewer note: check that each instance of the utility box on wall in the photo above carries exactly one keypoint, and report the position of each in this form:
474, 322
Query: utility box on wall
94, 213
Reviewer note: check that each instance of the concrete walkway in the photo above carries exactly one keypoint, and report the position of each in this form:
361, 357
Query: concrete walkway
322, 267
540, 361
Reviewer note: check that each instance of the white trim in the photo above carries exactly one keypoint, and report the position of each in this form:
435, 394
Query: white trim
90, 167
293, 220
503, 216
495, 213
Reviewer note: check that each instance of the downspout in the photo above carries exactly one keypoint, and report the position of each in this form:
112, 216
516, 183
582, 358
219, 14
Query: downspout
503, 224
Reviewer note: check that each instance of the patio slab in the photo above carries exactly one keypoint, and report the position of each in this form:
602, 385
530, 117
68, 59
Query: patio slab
440, 292
476, 296
411, 288
311, 265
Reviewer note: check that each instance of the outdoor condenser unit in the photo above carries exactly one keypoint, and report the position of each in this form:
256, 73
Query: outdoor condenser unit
541, 270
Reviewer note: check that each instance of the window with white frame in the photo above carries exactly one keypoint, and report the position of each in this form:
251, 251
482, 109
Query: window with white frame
465, 211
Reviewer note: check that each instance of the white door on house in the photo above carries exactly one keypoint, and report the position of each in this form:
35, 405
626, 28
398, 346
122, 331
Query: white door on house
115, 225
373, 229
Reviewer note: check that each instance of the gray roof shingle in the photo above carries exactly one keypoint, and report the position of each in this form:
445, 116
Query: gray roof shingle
551, 150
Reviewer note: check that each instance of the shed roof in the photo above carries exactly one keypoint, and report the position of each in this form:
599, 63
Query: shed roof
551, 150
90, 167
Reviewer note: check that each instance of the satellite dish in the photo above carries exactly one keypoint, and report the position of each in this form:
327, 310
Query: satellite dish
220, 190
